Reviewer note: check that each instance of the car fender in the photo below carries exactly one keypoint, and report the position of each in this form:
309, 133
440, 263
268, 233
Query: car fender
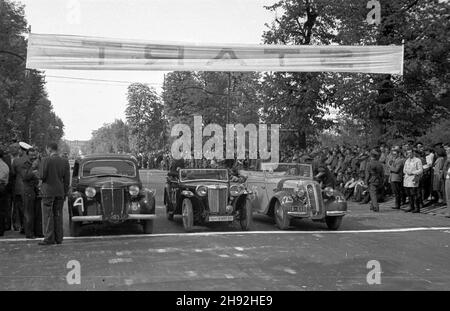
280, 196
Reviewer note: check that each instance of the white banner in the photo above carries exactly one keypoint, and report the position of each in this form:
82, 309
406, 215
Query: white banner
90, 53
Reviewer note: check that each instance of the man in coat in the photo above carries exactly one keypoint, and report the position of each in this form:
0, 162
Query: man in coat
29, 174
55, 174
412, 170
374, 178
396, 175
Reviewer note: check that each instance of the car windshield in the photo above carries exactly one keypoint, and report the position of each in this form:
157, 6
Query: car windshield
208, 174
287, 169
109, 168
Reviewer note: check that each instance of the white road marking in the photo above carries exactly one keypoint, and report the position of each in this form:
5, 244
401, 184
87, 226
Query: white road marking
191, 274
224, 256
290, 271
123, 253
202, 234
117, 260
239, 248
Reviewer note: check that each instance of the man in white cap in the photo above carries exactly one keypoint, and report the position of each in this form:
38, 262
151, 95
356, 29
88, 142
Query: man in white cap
17, 163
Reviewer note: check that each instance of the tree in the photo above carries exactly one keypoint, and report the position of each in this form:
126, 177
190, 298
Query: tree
27, 114
144, 114
111, 138
391, 106
219, 97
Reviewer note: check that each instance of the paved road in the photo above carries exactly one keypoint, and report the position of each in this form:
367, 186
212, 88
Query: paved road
412, 250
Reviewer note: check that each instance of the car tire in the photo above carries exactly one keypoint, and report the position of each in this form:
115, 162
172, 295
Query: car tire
147, 226
188, 215
246, 211
333, 222
75, 228
282, 219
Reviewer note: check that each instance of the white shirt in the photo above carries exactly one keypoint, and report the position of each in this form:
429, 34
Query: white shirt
411, 169
4, 172
429, 158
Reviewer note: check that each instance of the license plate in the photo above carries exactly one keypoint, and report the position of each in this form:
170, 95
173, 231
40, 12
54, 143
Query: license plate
220, 218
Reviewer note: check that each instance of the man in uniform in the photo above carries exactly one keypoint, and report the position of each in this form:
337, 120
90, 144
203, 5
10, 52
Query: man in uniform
29, 174
17, 164
374, 179
324, 176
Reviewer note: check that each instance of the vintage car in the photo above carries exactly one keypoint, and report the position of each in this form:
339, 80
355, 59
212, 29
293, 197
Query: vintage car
287, 190
107, 188
205, 196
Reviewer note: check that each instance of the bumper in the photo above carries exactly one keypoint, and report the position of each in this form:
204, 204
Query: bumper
336, 213
100, 217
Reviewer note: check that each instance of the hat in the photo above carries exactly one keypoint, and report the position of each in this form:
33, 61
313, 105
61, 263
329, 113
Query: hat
25, 146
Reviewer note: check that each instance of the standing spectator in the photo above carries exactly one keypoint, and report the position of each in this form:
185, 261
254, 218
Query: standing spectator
17, 164
438, 174
29, 174
412, 171
54, 172
428, 173
4, 179
395, 166
374, 179
447, 180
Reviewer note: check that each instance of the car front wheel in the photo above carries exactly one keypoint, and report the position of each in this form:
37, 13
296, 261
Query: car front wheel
281, 217
333, 222
246, 216
188, 215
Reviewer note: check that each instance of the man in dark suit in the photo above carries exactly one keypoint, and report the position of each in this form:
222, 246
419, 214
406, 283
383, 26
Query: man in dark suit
55, 174
374, 178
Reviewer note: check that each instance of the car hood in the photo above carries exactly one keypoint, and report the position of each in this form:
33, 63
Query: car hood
203, 183
289, 182
109, 181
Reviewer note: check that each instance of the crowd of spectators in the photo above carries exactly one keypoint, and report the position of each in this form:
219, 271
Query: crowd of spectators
412, 173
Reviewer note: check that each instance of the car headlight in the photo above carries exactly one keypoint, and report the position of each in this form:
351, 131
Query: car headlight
236, 190
202, 191
90, 192
328, 191
300, 192
133, 190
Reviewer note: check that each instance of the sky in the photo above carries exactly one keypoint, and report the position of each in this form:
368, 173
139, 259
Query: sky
85, 105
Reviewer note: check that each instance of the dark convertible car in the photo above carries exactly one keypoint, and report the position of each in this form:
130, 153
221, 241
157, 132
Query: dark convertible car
107, 188
204, 196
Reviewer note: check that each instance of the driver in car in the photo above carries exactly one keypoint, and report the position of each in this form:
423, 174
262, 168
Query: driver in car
325, 177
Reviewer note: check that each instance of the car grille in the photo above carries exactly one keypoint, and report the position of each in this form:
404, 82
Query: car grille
313, 192
113, 203
217, 199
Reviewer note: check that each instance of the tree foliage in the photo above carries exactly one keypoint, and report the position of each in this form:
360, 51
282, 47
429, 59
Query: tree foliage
111, 138
27, 114
390, 106
145, 118
219, 97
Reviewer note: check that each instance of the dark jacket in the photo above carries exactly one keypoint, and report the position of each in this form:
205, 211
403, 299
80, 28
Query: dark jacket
29, 177
55, 174
374, 173
396, 169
